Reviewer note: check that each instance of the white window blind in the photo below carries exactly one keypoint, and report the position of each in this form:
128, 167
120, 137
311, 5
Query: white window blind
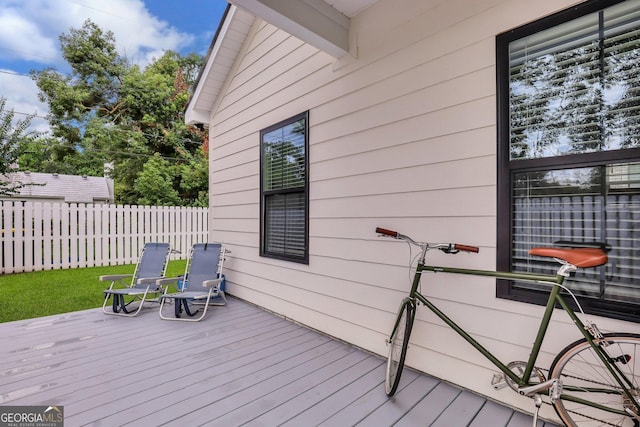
582, 204
285, 224
575, 88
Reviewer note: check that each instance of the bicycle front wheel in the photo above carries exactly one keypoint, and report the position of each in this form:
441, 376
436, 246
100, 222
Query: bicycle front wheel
398, 344
590, 395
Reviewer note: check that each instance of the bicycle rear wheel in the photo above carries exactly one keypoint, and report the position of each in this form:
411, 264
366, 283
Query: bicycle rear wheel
398, 344
590, 395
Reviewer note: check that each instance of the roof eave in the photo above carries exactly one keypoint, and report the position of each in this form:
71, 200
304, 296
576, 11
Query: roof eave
226, 45
312, 21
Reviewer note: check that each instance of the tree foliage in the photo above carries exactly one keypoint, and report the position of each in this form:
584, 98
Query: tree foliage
13, 134
108, 111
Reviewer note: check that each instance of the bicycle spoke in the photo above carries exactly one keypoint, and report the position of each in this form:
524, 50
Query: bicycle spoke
592, 395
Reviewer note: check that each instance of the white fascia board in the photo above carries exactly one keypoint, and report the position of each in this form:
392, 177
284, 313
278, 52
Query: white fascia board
193, 117
196, 112
312, 21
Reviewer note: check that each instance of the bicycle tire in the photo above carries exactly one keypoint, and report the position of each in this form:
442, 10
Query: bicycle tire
398, 344
584, 376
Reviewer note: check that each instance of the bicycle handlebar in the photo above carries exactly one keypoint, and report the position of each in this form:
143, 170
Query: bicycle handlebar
386, 232
445, 247
466, 248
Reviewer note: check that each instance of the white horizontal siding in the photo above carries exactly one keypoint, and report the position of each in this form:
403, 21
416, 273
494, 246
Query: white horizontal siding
403, 136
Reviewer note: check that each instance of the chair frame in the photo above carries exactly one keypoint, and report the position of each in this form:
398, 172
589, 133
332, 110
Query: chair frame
184, 296
118, 306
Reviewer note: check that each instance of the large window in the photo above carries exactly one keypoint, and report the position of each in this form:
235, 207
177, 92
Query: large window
284, 190
569, 149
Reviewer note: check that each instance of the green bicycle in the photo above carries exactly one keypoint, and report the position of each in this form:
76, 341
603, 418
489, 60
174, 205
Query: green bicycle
592, 381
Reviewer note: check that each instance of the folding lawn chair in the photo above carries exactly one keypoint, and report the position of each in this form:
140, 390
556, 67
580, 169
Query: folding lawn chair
202, 284
151, 266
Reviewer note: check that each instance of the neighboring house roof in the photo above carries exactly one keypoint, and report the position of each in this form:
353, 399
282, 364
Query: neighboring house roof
70, 188
323, 24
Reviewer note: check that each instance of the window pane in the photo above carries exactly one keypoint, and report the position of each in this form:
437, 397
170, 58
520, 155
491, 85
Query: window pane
284, 157
623, 232
569, 97
285, 224
575, 88
578, 204
284, 190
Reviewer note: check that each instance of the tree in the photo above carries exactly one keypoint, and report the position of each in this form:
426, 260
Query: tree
12, 135
155, 185
108, 111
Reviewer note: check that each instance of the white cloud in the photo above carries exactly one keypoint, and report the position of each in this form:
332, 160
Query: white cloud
20, 38
29, 29
22, 97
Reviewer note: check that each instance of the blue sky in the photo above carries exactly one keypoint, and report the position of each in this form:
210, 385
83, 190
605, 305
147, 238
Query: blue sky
143, 29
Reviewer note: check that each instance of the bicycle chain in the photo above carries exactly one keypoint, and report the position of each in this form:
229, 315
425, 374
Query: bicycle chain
592, 382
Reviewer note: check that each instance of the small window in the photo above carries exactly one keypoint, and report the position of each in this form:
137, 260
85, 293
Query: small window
284, 186
569, 149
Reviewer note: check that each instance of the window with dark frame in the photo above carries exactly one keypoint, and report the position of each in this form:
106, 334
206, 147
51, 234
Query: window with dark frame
569, 150
284, 189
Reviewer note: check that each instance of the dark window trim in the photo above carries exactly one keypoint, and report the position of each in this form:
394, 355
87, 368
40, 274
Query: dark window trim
263, 252
505, 167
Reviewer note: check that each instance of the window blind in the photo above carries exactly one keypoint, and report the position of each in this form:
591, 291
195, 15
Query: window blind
575, 88
573, 205
285, 224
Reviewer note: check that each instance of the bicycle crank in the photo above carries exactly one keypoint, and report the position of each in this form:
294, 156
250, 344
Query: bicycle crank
518, 368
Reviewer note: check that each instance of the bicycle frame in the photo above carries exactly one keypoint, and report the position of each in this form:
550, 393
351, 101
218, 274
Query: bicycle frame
544, 325
554, 298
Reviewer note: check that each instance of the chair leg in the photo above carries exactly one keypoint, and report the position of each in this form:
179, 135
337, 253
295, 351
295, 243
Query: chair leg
179, 302
177, 307
224, 299
163, 299
187, 309
119, 307
123, 306
106, 300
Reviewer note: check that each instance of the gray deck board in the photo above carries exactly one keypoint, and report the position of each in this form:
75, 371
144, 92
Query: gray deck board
461, 411
431, 406
240, 366
492, 414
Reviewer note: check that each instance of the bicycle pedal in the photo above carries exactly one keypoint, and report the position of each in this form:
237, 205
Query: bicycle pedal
498, 382
555, 391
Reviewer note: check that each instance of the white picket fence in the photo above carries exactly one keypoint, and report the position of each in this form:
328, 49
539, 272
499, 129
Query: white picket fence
45, 236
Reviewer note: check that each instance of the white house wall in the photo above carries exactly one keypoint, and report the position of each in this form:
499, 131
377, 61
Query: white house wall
402, 136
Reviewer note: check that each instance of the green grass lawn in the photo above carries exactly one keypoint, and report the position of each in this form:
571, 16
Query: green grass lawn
42, 293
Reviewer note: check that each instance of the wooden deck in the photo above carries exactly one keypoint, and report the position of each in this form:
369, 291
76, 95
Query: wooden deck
239, 366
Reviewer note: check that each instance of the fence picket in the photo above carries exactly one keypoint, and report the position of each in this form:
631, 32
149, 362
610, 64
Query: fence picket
44, 236
29, 240
65, 231
7, 237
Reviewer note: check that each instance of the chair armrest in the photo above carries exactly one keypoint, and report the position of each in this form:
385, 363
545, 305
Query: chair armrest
211, 283
167, 281
149, 280
114, 277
